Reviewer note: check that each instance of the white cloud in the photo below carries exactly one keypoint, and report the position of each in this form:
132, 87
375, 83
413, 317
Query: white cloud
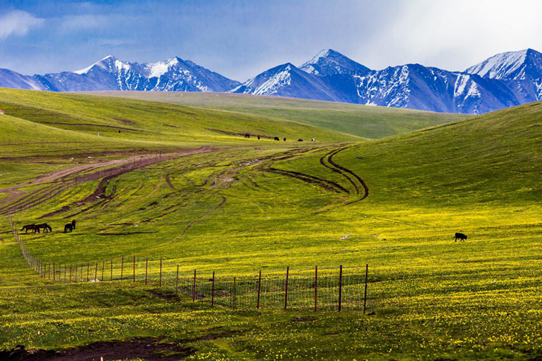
455, 34
17, 23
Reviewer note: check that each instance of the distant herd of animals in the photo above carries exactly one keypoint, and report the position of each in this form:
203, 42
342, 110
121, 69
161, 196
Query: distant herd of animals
71, 226
278, 139
47, 228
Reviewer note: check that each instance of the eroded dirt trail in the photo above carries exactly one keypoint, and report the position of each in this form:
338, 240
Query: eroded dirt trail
57, 182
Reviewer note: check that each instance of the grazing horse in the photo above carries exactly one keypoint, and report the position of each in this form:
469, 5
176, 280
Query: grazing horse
68, 227
460, 236
45, 226
31, 227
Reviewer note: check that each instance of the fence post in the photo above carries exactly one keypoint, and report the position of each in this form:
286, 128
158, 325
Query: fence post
234, 299
103, 266
259, 289
160, 271
96, 272
122, 268
88, 269
340, 287
111, 279
75, 278
286, 289
194, 288
365, 295
49, 270
177, 281
65, 273
54, 273
134, 268
213, 291
316, 289
70, 274
146, 269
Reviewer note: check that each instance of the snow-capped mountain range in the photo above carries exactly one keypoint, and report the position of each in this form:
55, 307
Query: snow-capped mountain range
504, 80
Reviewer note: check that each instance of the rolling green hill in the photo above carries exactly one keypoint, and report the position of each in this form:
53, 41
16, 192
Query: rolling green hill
359, 120
151, 121
244, 206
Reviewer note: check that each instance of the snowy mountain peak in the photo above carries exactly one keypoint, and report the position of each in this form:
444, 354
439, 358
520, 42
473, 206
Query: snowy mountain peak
331, 62
512, 65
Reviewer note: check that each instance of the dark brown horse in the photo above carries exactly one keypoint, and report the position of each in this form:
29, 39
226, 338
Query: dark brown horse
30, 227
46, 228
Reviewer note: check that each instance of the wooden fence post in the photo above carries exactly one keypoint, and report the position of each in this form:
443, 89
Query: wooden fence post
213, 291
111, 277
122, 268
259, 289
160, 271
146, 269
96, 272
234, 298
316, 289
54, 273
88, 269
134, 268
286, 288
365, 295
194, 288
177, 281
103, 266
75, 278
70, 274
340, 287
65, 273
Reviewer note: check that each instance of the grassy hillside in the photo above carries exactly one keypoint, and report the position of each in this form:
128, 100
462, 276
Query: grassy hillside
359, 120
151, 121
247, 206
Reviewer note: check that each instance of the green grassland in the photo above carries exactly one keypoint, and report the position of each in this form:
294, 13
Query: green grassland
359, 120
248, 206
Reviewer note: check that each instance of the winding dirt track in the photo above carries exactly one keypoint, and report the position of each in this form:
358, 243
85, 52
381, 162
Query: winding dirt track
58, 182
361, 191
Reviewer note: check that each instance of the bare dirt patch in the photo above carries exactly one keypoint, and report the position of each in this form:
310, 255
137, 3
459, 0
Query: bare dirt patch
147, 349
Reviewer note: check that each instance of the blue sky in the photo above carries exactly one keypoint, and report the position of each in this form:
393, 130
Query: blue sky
240, 39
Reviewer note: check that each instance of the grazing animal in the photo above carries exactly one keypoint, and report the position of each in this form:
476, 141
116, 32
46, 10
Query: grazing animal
284, 139
460, 236
313, 140
247, 135
45, 226
73, 223
68, 227
258, 137
300, 140
277, 138
31, 227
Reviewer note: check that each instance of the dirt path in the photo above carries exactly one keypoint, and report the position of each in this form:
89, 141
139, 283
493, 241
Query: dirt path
361, 191
61, 180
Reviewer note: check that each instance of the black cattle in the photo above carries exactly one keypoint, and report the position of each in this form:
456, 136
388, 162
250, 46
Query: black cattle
68, 228
284, 139
277, 138
300, 140
247, 135
460, 236
258, 137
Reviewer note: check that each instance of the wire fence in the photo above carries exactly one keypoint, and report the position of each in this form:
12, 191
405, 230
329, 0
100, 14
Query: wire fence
319, 289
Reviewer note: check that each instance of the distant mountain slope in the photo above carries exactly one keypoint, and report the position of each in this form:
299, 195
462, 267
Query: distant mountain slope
504, 80
111, 74
331, 62
521, 71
